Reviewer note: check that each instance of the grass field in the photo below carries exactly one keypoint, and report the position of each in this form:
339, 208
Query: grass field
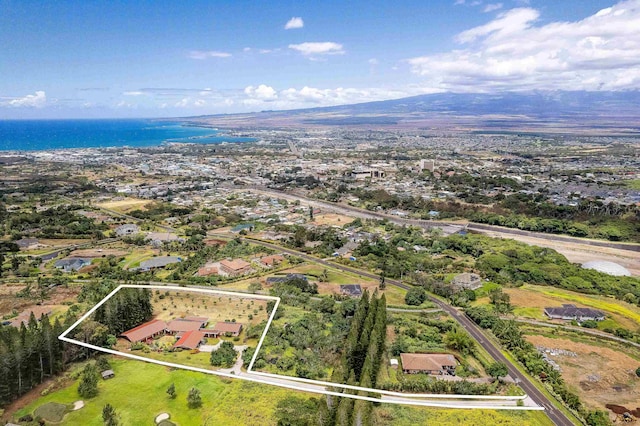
138, 393
126, 205
624, 314
136, 256
633, 184
410, 416
52, 412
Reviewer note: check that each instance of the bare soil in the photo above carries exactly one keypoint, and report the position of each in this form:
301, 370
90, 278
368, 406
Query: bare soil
9, 301
331, 219
600, 375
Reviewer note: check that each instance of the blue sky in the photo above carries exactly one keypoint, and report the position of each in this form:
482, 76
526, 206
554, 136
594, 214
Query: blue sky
74, 59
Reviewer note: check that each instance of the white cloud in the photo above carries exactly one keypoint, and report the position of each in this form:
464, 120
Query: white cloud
206, 54
133, 93
373, 61
262, 92
514, 52
492, 6
313, 49
294, 23
37, 100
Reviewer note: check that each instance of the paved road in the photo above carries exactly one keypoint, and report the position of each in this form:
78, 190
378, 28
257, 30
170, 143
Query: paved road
557, 416
448, 227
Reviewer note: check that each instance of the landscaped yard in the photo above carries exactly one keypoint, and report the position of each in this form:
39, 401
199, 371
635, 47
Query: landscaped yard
138, 393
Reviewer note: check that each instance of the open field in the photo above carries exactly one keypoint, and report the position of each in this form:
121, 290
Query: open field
579, 253
224, 401
136, 256
599, 374
98, 252
126, 205
331, 219
626, 314
529, 302
9, 301
231, 402
397, 415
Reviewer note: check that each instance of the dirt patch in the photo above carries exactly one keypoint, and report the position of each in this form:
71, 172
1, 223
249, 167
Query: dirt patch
125, 205
98, 252
600, 375
331, 219
10, 302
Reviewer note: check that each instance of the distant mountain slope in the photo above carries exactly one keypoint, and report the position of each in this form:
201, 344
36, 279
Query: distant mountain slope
558, 111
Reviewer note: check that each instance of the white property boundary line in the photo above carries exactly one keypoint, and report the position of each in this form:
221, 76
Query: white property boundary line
259, 379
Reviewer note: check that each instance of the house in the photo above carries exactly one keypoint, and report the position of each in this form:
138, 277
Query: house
107, 374
571, 312
28, 243
235, 267
207, 270
190, 340
180, 326
284, 279
272, 260
437, 364
223, 329
158, 262
243, 227
23, 317
72, 264
158, 238
467, 281
145, 331
127, 229
353, 290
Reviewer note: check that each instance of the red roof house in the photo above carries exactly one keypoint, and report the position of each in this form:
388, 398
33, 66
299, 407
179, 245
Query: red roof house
145, 331
190, 340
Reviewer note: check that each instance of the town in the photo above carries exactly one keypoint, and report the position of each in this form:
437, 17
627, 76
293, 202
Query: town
379, 237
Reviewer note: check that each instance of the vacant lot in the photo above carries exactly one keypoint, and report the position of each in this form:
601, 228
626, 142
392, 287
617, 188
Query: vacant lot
599, 374
126, 205
98, 252
331, 219
9, 301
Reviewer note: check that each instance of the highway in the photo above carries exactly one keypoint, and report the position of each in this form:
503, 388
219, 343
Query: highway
557, 416
447, 226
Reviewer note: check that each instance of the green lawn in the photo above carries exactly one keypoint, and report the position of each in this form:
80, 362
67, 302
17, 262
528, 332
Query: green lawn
409, 416
138, 393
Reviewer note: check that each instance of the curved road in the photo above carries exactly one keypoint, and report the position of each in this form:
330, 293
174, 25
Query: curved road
557, 416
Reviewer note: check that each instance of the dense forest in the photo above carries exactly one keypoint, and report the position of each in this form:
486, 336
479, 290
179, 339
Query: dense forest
30, 354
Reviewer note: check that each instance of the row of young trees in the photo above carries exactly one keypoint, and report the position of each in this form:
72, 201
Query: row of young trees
29, 355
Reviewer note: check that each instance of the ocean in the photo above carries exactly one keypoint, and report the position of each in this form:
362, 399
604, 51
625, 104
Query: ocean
30, 135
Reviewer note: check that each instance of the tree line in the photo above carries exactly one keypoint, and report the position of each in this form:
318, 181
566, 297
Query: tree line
29, 355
